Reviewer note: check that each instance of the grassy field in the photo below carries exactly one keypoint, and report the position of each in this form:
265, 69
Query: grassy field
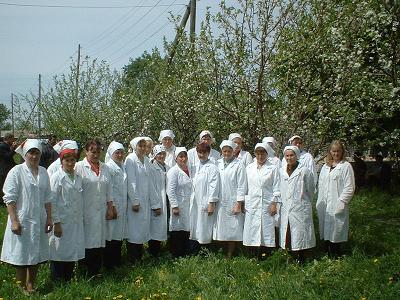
369, 270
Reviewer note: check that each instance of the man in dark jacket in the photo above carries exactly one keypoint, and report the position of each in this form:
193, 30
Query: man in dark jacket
7, 151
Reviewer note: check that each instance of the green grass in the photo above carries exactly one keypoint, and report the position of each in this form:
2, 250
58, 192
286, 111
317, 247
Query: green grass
370, 269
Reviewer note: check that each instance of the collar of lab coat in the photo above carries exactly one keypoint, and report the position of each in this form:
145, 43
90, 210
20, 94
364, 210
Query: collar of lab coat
295, 173
87, 165
29, 173
114, 166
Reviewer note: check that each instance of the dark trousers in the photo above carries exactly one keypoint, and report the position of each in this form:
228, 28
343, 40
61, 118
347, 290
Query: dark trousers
333, 249
61, 270
93, 261
154, 248
112, 254
179, 243
134, 252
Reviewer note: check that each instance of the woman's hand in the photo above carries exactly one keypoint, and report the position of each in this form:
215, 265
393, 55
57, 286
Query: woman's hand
157, 212
175, 211
135, 208
237, 208
109, 213
16, 227
57, 230
115, 213
49, 225
210, 208
272, 209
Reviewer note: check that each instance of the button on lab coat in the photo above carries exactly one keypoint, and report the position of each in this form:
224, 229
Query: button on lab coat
30, 195
335, 190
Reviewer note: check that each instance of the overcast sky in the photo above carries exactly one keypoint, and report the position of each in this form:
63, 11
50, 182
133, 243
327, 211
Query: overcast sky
41, 40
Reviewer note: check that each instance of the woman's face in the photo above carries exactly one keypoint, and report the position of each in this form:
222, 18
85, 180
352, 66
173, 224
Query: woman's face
167, 142
206, 139
298, 143
261, 156
290, 157
32, 157
149, 147
68, 163
239, 142
160, 157
227, 152
181, 159
141, 148
118, 156
337, 153
203, 155
93, 154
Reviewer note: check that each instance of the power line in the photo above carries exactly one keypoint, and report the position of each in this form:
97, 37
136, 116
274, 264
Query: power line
88, 7
141, 44
111, 42
139, 34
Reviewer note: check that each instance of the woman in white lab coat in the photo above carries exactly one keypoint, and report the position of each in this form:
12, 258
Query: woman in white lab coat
166, 138
27, 195
116, 227
179, 191
335, 190
67, 240
142, 198
97, 205
297, 189
158, 223
206, 185
230, 219
272, 143
60, 146
207, 138
261, 199
244, 156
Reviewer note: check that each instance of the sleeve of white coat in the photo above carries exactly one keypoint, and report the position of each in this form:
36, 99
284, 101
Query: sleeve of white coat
241, 182
214, 185
49, 194
248, 159
276, 185
312, 167
56, 196
309, 183
155, 196
11, 187
348, 184
131, 181
110, 197
172, 183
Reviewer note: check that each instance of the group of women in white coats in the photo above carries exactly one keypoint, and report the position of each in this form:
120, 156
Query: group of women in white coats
86, 209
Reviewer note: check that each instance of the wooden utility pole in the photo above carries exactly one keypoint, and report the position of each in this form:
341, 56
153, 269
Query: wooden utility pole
192, 20
12, 114
178, 33
77, 73
39, 103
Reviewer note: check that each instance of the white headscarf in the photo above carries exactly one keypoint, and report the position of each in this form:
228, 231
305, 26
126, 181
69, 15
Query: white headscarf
166, 133
269, 139
206, 132
28, 145
135, 141
233, 136
65, 144
228, 143
179, 150
114, 146
158, 149
266, 147
295, 149
294, 137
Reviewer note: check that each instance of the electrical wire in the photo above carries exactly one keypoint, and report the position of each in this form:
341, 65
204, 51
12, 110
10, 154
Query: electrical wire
86, 7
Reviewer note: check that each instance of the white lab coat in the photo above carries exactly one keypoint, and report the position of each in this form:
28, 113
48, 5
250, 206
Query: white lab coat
158, 224
67, 209
335, 190
179, 191
30, 195
206, 186
193, 159
245, 157
141, 191
306, 160
263, 190
54, 167
170, 157
229, 227
116, 228
296, 208
97, 191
